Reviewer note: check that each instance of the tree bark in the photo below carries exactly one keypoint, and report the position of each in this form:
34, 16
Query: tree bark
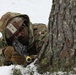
61, 46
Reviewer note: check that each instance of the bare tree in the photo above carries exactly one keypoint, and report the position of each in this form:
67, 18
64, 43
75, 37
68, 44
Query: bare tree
59, 48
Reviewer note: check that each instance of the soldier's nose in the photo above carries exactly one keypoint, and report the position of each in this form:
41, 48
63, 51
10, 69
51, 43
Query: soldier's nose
20, 34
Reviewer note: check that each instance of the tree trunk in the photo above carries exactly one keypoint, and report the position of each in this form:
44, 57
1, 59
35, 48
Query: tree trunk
60, 47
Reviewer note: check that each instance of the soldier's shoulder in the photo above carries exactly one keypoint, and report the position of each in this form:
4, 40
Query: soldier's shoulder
40, 32
40, 27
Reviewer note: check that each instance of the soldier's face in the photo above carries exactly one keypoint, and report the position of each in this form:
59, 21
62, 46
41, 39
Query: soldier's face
23, 35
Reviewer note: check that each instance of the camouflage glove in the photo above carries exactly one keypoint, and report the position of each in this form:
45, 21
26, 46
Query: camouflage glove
7, 52
12, 56
17, 58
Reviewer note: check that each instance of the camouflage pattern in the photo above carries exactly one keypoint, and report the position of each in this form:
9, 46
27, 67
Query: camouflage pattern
40, 32
4, 22
5, 18
13, 56
37, 33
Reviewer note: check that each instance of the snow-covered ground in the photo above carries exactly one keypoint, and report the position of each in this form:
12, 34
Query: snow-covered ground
29, 70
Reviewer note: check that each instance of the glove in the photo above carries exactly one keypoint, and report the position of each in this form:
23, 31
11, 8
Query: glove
12, 56
17, 58
7, 52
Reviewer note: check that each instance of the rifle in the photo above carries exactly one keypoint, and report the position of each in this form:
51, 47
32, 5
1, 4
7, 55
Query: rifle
22, 50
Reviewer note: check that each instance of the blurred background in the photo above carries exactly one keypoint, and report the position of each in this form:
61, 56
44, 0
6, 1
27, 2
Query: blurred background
38, 10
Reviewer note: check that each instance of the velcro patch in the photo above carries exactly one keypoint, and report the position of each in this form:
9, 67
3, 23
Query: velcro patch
11, 28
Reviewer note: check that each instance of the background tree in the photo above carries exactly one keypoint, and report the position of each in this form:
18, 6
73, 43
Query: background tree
59, 49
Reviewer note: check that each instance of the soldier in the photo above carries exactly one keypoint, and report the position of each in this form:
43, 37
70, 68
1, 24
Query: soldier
23, 39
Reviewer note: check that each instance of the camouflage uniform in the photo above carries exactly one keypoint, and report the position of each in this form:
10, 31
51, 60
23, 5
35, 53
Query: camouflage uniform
37, 33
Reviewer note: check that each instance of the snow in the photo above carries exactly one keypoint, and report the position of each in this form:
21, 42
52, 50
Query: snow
8, 70
5, 70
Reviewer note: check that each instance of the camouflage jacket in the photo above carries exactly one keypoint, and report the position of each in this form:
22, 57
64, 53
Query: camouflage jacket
37, 32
